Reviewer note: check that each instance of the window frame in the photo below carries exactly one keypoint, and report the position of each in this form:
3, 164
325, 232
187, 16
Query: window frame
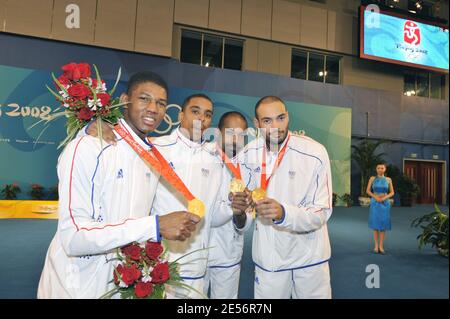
415, 74
308, 52
203, 33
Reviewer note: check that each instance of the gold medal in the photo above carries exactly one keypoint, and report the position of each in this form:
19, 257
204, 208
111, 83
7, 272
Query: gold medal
197, 207
237, 185
258, 194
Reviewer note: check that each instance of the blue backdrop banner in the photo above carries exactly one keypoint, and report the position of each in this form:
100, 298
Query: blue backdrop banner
30, 155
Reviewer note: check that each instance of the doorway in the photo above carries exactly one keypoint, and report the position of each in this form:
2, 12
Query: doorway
431, 178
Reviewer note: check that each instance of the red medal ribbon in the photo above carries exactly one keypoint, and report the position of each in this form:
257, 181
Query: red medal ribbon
158, 162
265, 181
235, 170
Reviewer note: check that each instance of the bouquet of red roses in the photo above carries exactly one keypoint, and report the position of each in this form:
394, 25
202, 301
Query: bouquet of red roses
82, 99
143, 272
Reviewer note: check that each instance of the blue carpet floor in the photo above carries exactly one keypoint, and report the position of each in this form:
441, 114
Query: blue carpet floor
405, 272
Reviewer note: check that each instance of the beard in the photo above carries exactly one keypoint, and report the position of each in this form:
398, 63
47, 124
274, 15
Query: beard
276, 141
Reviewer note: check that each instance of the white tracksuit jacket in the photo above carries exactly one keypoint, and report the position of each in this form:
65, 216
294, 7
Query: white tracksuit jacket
105, 197
226, 240
201, 169
302, 185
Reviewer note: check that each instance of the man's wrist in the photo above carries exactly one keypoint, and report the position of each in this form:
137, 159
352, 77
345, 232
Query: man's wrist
283, 215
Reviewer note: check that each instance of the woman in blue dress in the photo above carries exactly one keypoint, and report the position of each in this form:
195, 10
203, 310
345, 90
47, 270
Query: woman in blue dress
380, 190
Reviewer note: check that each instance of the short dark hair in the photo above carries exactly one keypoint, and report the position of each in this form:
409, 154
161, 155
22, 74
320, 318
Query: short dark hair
381, 163
267, 98
146, 76
230, 114
193, 96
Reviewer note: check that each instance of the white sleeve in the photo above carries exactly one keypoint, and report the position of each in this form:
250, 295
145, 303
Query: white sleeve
79, 233
317, 208
221, 211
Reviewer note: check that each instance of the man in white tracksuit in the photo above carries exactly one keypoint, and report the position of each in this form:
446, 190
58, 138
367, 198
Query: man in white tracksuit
105, 197
227, 242
291, 246
197, 163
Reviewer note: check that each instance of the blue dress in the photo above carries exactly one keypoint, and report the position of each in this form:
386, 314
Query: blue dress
380, 213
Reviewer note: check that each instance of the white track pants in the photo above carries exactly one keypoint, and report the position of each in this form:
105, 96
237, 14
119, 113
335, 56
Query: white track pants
304, 283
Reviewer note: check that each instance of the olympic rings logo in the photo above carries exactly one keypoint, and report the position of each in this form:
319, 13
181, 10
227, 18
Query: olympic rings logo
168, 120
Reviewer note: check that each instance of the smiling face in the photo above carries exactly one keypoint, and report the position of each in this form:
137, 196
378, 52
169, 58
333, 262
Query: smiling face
273, 118
381, 169
196, 117
147, 107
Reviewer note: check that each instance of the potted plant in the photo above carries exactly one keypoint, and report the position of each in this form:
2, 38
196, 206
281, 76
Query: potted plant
347, 199
53, 193
10, 191
335, 197
36, 192
395, 174
366, 157
407, 189
435, 230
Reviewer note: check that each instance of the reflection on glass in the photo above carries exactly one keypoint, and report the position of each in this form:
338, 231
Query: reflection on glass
191, 47
423, 84
332, 70
436, 84
409, 84
299, 64
316, 70
212, 51
233, 54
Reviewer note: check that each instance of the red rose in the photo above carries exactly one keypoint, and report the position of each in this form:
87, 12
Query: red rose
85, 70
85, 114
64, 80
79, 91
153, 250
75, 71
132, 251
71, 71
94, 83
143, 289
129, 274
104, 98
119, 269
160, 273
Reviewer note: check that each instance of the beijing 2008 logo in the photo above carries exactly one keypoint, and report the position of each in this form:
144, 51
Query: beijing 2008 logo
411, 33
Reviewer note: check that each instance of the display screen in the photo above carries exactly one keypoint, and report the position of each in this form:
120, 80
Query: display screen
393, 39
